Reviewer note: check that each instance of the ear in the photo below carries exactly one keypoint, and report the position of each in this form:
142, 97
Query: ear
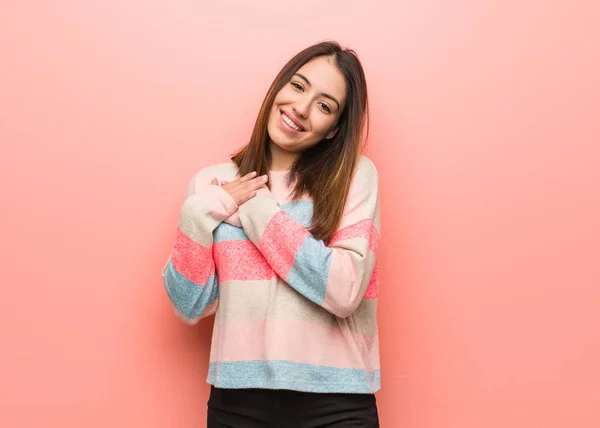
332, 133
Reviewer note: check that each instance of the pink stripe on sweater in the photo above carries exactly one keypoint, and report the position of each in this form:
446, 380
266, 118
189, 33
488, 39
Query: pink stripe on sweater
363, 229
191, 259
373, 287
240, 260
281, 252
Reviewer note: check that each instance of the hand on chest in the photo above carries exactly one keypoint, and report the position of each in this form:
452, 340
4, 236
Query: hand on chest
279, 190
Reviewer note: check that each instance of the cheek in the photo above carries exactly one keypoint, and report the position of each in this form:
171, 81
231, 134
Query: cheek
274, 110
322, 124
274, 114
283, 96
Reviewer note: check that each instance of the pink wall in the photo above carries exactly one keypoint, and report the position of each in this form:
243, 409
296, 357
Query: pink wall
485, 130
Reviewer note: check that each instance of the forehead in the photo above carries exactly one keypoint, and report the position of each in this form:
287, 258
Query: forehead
324, 76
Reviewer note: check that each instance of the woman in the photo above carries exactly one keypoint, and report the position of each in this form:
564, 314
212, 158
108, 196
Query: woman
281, 245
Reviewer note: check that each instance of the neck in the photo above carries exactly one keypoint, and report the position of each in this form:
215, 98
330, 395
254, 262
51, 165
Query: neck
281, 160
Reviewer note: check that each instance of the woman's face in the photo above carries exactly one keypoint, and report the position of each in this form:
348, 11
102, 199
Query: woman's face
306, 109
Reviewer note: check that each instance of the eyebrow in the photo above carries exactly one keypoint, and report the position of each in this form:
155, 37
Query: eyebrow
323, 94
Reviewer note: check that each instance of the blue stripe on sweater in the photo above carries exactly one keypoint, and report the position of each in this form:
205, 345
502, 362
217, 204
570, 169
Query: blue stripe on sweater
189, 298
299, 211
227, 232
292, 375
310, 270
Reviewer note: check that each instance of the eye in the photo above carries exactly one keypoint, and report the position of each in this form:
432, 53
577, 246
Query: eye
325, 107
296, 85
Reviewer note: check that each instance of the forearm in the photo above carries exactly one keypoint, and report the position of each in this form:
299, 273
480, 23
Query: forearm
189, 275
334, 277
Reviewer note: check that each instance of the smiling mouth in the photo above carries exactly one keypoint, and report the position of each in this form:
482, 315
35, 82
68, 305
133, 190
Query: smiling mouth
291, 123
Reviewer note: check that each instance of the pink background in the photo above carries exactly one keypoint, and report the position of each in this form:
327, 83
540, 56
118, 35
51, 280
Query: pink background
485, 131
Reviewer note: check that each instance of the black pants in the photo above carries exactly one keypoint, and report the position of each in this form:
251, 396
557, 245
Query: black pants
262, 408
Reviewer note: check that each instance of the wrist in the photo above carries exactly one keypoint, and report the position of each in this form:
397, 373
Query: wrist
218, 202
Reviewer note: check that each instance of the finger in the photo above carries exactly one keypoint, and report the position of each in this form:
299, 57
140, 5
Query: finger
258, 182
242, 182
224, 182
214, 181
248, 176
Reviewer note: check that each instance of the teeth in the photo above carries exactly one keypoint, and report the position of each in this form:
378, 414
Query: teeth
289, 122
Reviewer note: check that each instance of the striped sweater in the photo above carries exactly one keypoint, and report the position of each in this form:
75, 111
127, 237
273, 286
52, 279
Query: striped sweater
291, 312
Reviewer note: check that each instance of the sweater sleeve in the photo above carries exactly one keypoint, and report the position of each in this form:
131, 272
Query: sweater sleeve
189, 275
336, 276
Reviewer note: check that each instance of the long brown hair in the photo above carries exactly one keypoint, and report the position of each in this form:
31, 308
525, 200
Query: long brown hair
325, 170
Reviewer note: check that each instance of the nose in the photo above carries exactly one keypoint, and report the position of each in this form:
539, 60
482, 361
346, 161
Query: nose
301, 107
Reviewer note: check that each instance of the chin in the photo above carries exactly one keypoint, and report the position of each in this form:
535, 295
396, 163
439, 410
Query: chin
285, 147
279, 139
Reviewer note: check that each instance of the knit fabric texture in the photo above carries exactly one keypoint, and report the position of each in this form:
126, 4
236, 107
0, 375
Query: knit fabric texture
290, 311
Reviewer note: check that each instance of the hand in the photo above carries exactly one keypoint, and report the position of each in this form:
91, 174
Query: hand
243, 188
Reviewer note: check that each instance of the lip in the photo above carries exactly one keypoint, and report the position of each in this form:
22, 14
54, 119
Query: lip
293, 119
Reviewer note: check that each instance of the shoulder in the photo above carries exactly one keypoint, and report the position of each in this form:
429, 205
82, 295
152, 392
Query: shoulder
364, 187
366, 173
363, 197
225, 170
